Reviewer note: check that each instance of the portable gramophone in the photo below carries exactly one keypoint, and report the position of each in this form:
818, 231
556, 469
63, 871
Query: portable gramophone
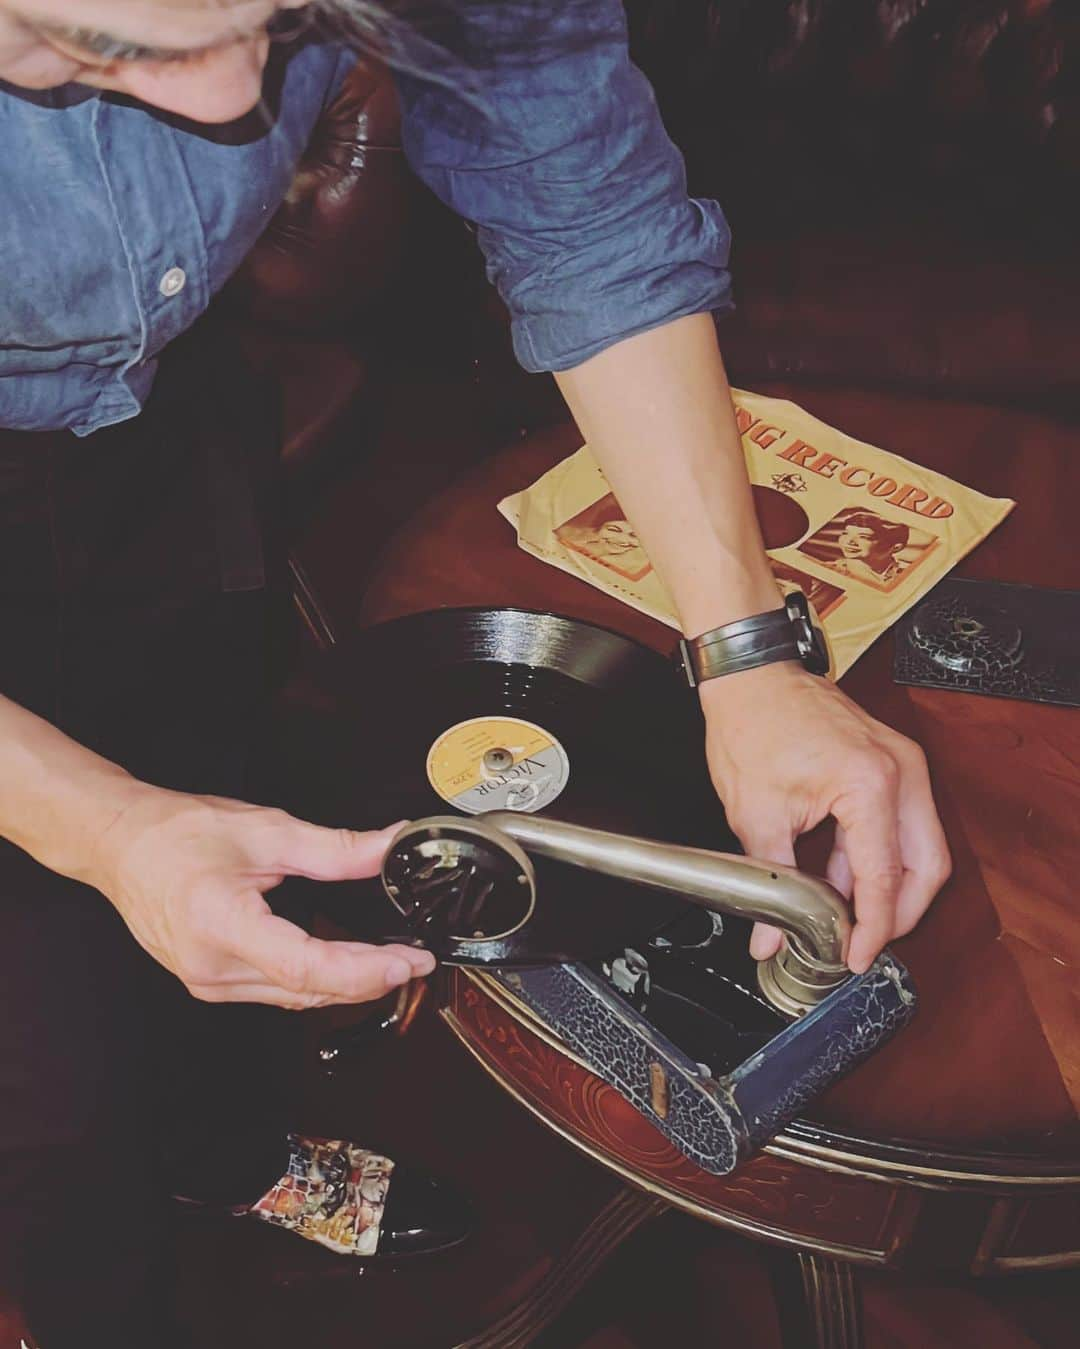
563, 847
468, 890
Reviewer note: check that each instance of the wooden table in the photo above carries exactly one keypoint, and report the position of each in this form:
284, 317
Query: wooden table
957, 1146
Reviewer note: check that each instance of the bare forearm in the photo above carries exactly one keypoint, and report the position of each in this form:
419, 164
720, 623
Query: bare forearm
656, 410
56, 797
186, 873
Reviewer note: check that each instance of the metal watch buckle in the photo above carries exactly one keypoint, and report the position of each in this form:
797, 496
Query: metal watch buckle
801, 627
809, 641
686, 662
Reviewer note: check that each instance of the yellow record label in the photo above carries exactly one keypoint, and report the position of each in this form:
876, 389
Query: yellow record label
497, 763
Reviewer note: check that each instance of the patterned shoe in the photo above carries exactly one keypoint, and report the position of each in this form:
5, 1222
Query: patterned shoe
358, 1203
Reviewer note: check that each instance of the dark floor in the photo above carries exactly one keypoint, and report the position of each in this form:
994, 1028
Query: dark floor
677, 1283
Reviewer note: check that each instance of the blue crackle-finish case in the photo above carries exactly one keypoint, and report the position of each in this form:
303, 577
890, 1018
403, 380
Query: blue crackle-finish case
715, 1121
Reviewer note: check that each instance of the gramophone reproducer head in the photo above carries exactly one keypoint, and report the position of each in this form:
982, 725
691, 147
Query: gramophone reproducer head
459, 880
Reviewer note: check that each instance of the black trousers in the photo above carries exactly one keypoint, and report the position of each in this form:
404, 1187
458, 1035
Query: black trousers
132, 617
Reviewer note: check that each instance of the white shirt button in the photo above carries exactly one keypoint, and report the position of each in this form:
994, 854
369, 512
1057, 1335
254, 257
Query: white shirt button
173, 282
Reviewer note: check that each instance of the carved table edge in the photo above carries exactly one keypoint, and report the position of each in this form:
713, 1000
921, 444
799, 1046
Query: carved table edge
865, 1158
670, 1198
986, 1260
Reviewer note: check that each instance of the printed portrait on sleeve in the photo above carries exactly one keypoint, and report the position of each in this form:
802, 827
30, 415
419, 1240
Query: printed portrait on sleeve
868, 547
602, 533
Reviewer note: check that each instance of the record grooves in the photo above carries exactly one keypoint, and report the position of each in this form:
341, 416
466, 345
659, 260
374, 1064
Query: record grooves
629, 731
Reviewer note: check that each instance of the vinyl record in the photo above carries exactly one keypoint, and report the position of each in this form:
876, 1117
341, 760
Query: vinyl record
463, 710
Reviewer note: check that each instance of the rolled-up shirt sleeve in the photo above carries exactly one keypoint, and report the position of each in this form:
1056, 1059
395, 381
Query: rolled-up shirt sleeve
561, 160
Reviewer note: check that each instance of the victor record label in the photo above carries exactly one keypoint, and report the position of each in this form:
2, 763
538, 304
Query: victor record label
497, 763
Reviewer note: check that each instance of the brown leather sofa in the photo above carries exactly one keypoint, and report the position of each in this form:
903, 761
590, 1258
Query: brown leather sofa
318, 284
902, 178
903, 182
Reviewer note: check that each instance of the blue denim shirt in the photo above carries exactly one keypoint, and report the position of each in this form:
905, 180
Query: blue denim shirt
118, 224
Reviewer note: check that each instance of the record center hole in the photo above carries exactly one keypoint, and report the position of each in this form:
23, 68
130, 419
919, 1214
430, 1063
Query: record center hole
498, 760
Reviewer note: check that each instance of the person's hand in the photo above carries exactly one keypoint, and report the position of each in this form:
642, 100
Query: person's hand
786, 749
187, 875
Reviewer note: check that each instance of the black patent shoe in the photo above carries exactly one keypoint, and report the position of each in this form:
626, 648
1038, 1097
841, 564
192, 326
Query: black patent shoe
422, 1215
359, 1203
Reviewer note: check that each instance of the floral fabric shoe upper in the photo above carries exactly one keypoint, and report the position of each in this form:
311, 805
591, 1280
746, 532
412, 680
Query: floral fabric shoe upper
333, 1192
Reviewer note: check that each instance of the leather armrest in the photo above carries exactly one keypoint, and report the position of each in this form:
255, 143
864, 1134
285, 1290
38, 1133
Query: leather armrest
339, 243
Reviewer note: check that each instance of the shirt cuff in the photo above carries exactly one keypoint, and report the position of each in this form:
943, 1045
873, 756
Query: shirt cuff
677, 271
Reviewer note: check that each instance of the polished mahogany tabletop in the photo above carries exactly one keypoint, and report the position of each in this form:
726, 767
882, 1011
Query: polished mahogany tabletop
992, 1061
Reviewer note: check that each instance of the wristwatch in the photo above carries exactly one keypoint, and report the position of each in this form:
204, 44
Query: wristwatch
781, 634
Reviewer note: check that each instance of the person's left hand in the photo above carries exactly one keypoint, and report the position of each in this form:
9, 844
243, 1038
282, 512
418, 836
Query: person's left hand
786, 749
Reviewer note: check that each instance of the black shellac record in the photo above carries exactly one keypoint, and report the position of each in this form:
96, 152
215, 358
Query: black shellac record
631, 734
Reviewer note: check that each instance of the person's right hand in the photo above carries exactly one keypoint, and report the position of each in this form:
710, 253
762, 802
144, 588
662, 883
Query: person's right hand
188, 873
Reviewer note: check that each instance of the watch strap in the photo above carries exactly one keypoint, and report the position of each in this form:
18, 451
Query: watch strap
780, 634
